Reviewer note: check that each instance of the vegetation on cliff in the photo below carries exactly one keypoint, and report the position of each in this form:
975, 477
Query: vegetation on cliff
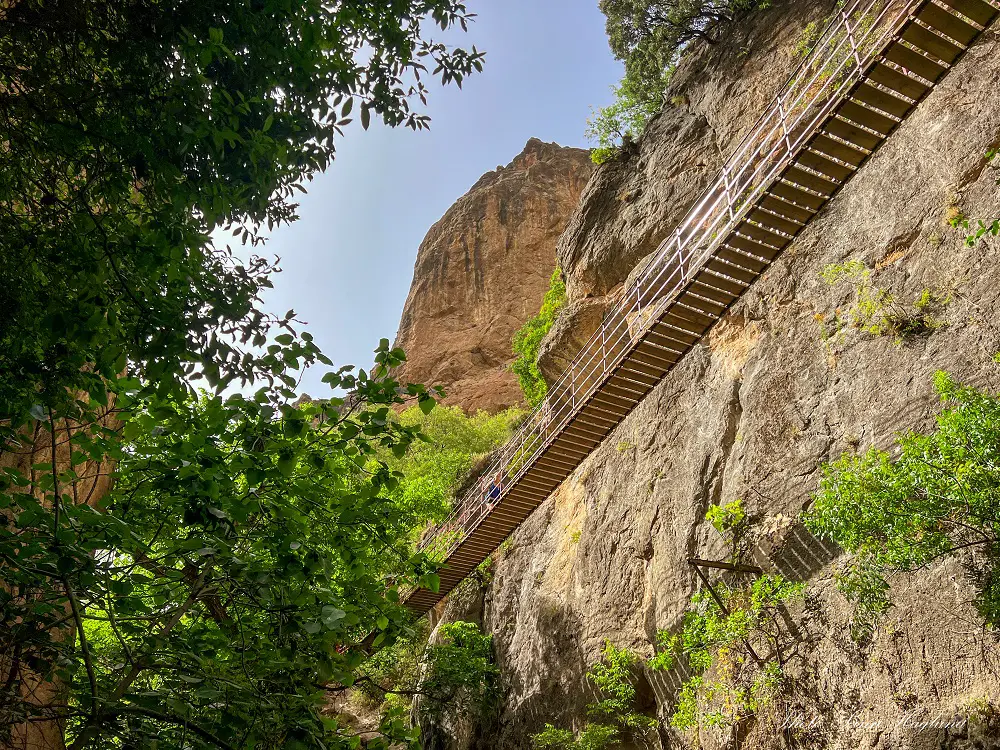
614, 717
452, 446
730, 681
528, 340
934, 498
876, 311
982, 228
650, 36
453, 675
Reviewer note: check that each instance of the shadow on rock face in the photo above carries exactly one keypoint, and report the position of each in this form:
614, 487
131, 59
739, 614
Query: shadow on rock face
802, 555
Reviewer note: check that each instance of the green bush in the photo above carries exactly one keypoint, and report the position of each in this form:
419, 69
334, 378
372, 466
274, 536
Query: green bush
613, 676
877, 311
454, 444
616, 711
455, 675
461, 677
528, 340
728, 684
650, 36
933, 498
552, 738
396, 667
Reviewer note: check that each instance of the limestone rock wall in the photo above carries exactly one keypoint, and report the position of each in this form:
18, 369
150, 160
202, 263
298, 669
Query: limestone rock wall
753, 412
482, 271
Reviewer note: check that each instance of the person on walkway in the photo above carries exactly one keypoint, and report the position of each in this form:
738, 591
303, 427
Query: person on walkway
493, 492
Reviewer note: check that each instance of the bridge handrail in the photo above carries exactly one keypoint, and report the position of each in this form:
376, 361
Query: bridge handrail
847, 46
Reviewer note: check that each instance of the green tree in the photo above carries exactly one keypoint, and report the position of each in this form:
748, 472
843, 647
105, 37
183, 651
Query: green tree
660, 30
236, 573
650, 36
249, 546
528, 340
625, 119
728, 683
453, 445
933, 498
133, 131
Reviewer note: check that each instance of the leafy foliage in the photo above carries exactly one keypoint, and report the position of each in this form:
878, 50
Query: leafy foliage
650, 36
453, 676
615, 712
808, 39
612, 127
728, 684
528, 340
132, 131
592, 737
250, 546
553, 737
932, 499
984, 227
731, 522
230, 577
452, 446
392, 674
461, 675
878, 312
613, 676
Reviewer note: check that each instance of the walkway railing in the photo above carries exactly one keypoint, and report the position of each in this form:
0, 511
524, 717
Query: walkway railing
872, 64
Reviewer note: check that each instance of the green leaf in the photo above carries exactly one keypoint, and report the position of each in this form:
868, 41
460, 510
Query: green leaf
332, 615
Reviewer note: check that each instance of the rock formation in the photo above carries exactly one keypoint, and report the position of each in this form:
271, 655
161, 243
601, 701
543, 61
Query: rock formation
481, 272
755, 410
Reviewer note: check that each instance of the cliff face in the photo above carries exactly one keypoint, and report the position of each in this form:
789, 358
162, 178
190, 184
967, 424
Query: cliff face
753, 412
482, 271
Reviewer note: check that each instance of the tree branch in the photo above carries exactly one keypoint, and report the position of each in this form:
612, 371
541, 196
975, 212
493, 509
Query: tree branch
84, 646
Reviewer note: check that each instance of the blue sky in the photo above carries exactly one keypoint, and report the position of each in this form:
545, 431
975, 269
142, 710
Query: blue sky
348, 261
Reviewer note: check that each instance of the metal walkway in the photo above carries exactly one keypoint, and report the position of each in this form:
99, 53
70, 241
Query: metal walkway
872, 66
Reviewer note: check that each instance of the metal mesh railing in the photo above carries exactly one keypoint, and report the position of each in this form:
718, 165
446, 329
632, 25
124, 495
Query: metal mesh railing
861, 31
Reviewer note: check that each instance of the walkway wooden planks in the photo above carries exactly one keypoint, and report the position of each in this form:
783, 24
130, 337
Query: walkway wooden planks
871, 69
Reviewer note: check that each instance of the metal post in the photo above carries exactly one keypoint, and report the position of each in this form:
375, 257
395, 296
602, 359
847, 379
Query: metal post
604, 353
723, 608
680, 260
850, 37
784, 124
729, 195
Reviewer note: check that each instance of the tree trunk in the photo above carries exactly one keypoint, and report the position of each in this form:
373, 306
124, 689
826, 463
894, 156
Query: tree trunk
21, 687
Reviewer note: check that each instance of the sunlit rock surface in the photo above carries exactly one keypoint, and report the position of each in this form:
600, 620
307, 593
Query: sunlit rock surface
482, 271
755, 409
